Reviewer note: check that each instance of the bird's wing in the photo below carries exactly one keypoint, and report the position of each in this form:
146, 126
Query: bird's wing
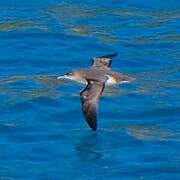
89, 99
103, 61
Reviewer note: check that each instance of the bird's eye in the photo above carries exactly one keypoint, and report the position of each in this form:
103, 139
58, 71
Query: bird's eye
69, 73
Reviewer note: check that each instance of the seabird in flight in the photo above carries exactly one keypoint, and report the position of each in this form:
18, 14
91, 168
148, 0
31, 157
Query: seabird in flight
96, 78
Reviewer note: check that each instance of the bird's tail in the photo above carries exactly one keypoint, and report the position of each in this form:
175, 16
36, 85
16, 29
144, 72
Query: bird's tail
109, 55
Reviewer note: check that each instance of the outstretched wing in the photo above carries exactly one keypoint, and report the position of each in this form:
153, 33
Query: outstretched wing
89, 99
103, 61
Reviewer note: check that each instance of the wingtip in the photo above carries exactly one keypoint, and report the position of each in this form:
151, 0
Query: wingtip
92, 125
94, 128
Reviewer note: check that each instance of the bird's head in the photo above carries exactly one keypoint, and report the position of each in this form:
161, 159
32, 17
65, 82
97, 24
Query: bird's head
72, 75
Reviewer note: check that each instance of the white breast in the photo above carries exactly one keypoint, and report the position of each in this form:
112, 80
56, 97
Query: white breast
110, 81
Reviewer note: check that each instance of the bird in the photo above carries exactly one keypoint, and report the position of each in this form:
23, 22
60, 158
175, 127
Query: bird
96, 78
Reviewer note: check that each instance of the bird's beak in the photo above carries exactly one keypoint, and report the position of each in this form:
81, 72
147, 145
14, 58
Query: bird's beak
62, 77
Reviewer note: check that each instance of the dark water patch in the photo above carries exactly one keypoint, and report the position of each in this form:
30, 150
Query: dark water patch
24, 107
158, 39
24, 84
71, 116
35, 138
36, 35
162, 113
6, 128
45, 101
12, 62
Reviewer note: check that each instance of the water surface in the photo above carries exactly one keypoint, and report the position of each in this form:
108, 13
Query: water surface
43, 134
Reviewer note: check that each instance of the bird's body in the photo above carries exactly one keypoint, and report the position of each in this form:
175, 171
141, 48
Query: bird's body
96, 78
98, 73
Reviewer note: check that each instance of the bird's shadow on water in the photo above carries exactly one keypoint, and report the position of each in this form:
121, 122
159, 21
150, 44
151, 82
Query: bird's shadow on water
99, 146
89, 148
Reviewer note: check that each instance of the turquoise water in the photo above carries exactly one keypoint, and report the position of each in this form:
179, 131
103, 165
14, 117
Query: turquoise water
43, 134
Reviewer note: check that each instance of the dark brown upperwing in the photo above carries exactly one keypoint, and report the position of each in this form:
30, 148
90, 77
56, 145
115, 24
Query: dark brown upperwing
89, 99
103, 61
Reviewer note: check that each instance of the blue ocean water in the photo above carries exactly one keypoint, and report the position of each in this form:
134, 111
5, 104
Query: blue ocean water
43, 134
